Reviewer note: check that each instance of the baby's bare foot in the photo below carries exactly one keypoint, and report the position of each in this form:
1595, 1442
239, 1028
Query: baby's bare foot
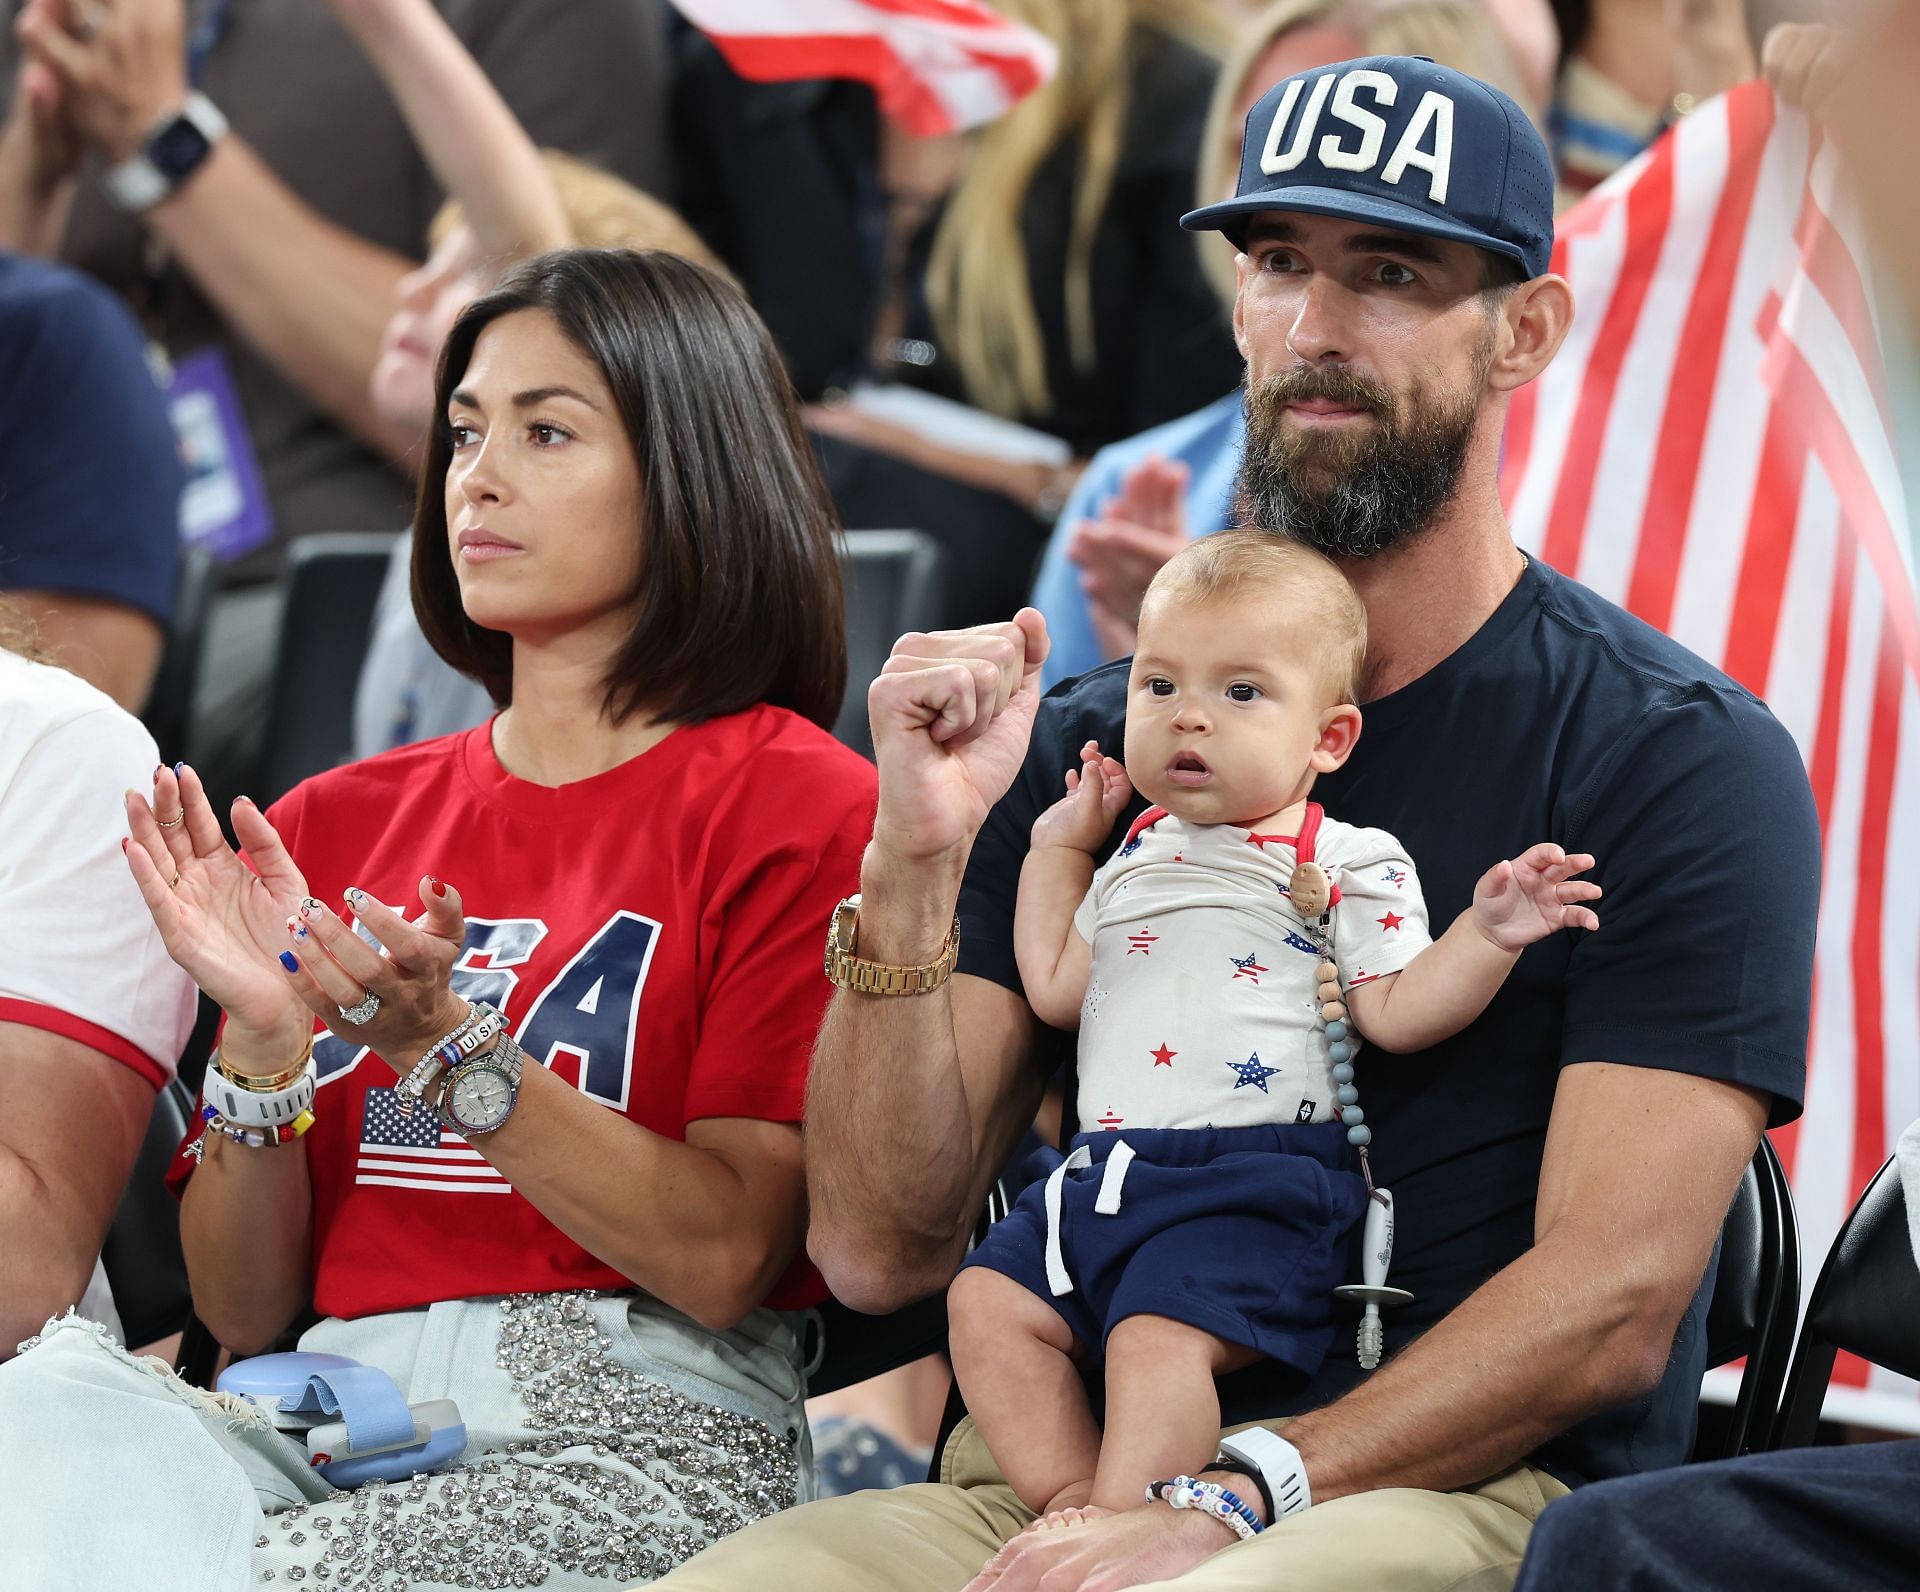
1074, 1515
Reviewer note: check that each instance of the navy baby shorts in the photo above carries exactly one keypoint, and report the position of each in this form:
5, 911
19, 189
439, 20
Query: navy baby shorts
1240, 1232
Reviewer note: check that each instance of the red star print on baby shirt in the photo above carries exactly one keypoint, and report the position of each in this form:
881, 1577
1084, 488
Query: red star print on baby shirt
1142, 940
1111, 1120
1392, 920
1163, 1057
1247, 967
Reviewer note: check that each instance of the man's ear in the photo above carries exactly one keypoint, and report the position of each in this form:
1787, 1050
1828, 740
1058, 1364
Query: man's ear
1339, 731
1241, 266
1535, 317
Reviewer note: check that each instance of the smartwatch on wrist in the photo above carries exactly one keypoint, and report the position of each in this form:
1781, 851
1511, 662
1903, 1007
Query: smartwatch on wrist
1282, 1473
173, 151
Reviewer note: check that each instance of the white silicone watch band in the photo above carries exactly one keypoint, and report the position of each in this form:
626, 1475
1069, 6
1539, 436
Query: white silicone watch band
248, 1109
1279, 1464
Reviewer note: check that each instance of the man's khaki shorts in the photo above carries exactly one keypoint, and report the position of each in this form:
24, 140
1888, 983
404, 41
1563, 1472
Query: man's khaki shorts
936, 1536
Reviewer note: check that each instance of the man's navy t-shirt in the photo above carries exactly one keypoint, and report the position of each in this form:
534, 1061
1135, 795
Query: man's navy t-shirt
1562, 719
90, 473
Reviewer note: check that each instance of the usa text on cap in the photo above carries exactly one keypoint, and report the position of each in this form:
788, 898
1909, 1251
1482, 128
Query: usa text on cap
1402, 142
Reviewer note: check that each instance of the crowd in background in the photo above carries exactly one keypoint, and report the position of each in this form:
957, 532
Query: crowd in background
1001, 339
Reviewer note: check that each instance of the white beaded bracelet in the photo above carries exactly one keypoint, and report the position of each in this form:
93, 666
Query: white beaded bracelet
1210, 1498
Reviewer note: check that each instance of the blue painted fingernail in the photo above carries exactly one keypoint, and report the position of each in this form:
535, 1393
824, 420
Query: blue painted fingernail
289, 961
177, 767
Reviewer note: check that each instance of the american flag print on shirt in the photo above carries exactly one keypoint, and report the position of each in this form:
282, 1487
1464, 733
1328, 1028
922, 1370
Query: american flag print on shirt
1712, 450
418, 1152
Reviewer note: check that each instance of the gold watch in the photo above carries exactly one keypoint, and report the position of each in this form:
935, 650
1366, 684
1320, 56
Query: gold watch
878, 978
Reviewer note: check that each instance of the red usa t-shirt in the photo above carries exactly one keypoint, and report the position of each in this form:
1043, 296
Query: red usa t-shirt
651, 934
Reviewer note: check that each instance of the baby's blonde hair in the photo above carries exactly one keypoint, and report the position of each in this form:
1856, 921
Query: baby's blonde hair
1324, 609
603, 212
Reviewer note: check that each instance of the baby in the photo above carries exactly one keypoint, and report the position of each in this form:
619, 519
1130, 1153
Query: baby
1203, 1224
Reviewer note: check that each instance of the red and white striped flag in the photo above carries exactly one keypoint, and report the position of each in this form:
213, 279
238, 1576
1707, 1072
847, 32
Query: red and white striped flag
1712, 449
938, 66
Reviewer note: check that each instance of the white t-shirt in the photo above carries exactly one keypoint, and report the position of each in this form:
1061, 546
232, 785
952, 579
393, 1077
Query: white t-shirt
79, 954
1201, 1010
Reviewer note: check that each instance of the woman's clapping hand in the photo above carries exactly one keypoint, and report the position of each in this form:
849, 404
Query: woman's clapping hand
334, 971
219, 919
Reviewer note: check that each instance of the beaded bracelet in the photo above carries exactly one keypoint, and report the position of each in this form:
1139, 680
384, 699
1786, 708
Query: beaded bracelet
482, 1023
412, 1088
256, 1138
1210, 1498
258, 1085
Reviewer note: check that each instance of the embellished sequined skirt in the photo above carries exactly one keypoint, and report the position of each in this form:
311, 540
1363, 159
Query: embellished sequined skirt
609, 1438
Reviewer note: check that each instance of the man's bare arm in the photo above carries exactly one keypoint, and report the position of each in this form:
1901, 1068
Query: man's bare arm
68, 1138
308, 295
107, 644
913, 1105
914, 1101
1640, 1168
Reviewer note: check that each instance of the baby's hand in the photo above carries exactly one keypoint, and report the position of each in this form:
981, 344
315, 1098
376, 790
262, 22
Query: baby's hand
1096, 792
1527, 899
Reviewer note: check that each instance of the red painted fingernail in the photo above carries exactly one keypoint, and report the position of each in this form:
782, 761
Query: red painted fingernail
123, 846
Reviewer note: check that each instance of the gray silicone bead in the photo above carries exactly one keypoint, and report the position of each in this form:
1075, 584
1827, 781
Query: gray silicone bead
1340, 1051
1336, 1029
1342, 1070
1346, 1094
1353, 1116
1360, 1135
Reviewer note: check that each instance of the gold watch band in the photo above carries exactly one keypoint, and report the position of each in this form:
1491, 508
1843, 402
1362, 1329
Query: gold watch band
851, 971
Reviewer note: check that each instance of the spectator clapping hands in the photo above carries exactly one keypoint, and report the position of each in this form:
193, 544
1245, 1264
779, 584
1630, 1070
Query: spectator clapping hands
1120, 552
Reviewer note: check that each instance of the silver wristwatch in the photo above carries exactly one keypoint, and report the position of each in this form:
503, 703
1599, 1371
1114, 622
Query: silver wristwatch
480, 1093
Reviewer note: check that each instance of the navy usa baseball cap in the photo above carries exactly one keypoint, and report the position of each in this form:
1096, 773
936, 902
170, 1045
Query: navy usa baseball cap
1398, 140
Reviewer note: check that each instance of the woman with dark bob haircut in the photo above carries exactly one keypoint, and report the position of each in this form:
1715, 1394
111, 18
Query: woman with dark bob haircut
541, 1156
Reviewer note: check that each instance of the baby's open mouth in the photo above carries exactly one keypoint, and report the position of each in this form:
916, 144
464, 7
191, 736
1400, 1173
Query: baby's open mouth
1188, 768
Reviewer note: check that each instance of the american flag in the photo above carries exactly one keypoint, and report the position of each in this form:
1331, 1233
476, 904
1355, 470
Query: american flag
937, 66
1713, 450
398, 1151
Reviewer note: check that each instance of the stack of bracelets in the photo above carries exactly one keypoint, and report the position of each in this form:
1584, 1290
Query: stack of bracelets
258, 1112
1183, 1492
444, 1054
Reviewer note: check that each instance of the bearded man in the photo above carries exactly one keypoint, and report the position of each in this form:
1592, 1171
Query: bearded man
1562, 1167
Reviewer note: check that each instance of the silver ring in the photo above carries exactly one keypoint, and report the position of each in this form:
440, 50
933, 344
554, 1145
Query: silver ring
362, 1012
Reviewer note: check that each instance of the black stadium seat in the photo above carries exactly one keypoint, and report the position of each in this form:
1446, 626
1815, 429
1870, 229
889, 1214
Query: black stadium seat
330, 583
1866, 1301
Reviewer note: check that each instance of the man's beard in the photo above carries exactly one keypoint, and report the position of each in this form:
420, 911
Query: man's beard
1354, 490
